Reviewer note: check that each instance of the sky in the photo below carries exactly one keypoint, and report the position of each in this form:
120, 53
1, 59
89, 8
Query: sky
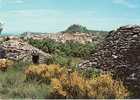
57, 15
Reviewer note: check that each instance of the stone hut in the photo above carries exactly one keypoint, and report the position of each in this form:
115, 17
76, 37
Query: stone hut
18, 50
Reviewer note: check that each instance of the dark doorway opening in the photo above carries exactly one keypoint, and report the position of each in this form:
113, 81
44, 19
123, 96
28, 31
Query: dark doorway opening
35, 59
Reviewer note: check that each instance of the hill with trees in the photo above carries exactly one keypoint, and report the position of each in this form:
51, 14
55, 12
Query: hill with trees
75, 28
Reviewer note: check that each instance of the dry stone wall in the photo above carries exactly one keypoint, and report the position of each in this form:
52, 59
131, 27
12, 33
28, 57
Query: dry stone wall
120, 54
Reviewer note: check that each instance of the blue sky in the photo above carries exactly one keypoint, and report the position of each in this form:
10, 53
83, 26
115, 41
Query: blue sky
57, 15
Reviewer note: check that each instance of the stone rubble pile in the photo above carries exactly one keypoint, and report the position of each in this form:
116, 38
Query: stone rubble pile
120, 54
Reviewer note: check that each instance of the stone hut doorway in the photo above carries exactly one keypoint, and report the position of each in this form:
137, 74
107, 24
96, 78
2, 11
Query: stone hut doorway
35, 57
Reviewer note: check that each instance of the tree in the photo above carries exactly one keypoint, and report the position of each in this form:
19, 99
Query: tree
1, 28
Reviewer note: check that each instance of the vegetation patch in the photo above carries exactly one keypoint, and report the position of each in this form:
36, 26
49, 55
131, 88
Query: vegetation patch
67, 83
70, 49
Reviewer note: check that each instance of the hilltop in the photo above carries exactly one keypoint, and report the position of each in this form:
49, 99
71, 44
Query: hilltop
82, 29
76, 28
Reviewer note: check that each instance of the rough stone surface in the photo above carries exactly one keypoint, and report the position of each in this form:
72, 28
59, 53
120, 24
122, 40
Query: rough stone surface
120, 54
19, 50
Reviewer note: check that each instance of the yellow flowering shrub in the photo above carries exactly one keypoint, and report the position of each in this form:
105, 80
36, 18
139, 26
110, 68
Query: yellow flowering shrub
105, 87
69, 86
57, 87
72, 84
43, 71
75, 86
5, 63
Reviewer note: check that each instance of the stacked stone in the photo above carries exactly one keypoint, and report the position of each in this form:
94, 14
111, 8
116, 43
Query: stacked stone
22, 51
120, 54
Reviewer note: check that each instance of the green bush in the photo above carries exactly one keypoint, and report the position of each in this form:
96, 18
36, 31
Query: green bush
63, 61
71, 49
90, 72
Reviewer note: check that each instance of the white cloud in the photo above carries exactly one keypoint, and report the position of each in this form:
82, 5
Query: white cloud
13, 1
36, 14
126, 3
19, 1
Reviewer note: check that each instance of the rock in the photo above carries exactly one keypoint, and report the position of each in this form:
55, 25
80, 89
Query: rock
135, 35
120, 54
